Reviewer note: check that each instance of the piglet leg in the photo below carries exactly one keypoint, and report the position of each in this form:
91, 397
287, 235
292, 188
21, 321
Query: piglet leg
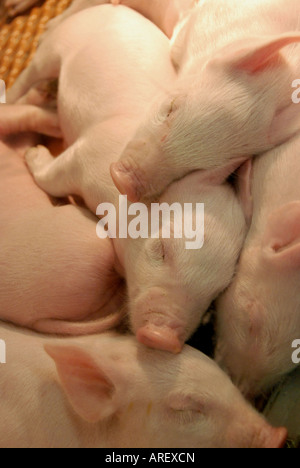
53, 175
16, 119
44, 66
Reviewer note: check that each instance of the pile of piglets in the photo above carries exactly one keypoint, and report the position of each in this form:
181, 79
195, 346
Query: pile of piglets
159, 101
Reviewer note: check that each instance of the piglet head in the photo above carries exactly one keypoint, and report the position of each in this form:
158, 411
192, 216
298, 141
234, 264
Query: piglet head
258, 317
234, 104
133, 396
172, 281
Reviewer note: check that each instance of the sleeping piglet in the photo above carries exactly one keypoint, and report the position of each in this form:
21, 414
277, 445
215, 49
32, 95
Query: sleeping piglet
100, 104
237, 61
109, 391
258, 317
55, 275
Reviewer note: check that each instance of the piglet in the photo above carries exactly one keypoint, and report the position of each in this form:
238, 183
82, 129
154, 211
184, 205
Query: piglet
108, 391
237, 61
258, 317
169, 287
56, 276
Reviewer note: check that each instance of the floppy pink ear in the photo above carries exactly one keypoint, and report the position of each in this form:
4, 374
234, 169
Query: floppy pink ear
282, 235
86, 384
256, 54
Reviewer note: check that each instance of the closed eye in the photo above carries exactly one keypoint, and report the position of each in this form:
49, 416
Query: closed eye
185, 417
168, 108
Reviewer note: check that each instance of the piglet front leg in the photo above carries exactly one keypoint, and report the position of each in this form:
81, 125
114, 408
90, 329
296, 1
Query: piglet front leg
15, 119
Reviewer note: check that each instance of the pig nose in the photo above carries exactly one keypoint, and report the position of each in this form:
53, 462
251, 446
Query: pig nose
271, 437
141, 171
127, 180
130, 174
161, 338
159, 323
278, 438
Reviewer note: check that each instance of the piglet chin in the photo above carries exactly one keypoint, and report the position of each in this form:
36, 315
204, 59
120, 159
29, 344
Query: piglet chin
162, 338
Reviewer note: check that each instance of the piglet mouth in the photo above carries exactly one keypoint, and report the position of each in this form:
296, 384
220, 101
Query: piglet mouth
163, 338
161, 330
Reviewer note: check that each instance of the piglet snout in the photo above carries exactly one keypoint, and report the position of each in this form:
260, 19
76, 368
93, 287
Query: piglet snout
159, 337
271, 438
142, 171
127, 179
157, 323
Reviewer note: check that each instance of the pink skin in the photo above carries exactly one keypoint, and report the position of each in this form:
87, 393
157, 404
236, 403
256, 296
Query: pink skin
98, 134
31, 118
165, 15
164, 331
258, 316
170, 288
50, 257
110, 391
233, 94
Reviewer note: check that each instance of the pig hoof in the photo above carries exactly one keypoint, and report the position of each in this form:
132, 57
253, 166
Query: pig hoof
31, 156
163, 339
37, 159
124, 181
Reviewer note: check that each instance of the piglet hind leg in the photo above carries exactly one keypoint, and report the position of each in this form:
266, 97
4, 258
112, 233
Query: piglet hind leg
53, 175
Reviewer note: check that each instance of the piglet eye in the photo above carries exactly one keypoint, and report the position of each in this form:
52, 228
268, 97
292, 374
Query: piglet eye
168, 108
187, 417
174, 106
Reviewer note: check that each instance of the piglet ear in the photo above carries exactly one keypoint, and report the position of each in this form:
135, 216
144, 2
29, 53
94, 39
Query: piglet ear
254, 56
281, 240
87, 386
257, 54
